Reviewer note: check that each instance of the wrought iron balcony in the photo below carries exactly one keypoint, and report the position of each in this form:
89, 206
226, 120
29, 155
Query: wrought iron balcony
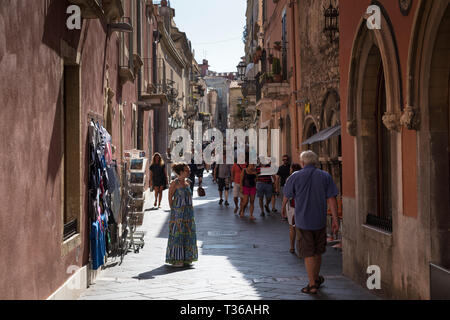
249, 88
155, 84
276, 90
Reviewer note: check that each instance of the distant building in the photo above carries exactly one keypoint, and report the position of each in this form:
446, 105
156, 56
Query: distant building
222, 86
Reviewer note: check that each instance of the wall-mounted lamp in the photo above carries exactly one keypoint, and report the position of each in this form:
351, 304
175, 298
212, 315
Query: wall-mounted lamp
331, 22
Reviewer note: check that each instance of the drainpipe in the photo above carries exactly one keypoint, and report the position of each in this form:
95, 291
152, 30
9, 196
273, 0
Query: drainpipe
295, 70
140, 127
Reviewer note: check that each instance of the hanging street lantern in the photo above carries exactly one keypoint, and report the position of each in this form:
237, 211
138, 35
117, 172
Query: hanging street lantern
331, 22
241, 67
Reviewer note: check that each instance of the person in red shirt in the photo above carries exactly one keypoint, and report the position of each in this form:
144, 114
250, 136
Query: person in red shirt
236, 171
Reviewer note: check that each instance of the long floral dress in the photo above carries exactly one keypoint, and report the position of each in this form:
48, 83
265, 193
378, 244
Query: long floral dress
182, 243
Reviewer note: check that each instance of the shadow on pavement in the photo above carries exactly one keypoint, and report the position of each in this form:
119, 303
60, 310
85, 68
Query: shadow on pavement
257, 250
160, 271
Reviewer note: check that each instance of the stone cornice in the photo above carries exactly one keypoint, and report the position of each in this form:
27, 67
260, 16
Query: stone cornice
170, 45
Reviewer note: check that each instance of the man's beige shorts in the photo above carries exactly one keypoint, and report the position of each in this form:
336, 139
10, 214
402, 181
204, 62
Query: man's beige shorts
237, 192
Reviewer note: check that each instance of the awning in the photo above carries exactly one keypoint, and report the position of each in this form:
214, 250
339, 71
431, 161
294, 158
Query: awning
249, 67
324, 135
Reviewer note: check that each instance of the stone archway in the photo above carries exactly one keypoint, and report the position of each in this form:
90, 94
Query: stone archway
384, 40
428, 112
331, 149
310, 128
373, 113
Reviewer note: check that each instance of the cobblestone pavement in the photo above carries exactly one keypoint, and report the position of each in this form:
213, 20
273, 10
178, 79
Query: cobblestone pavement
238, 260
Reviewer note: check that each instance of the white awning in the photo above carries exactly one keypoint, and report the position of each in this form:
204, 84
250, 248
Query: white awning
251, 71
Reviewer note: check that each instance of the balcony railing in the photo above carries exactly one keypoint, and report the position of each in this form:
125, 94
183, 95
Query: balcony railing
155, 82
383, 223
249, 88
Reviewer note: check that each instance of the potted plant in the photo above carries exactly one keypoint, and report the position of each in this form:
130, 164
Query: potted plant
266, 77
276, 69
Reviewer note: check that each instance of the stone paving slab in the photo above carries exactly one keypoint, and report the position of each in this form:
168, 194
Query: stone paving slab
238, 260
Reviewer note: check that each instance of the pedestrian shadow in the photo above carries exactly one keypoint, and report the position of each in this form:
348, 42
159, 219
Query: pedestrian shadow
160, 271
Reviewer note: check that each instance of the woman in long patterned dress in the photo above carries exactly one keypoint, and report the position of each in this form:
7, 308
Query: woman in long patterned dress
182, 244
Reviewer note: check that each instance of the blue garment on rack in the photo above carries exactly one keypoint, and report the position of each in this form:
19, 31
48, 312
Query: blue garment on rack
103, 237
97, 259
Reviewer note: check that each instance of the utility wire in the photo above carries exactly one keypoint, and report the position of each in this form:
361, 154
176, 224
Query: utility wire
215, 42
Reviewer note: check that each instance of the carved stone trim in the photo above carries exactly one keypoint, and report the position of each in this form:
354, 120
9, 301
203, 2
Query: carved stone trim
410, 118
391, 121
351, 127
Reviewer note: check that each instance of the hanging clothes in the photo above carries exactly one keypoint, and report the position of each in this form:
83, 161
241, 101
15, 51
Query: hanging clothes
102, 183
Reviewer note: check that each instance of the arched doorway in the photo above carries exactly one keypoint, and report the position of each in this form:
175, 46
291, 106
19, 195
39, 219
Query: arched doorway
331, 150
373, 117
374, 146
428, 101
311, 130
440, 142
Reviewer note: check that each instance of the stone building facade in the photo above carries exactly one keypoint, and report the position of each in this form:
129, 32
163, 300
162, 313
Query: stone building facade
395, 105
222, 86
319, 100
54, 81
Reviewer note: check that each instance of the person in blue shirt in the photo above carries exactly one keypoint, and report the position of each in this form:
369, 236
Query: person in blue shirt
312, 188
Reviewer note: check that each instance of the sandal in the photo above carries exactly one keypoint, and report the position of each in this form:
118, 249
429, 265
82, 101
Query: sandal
252, 218
319, 281
308, 289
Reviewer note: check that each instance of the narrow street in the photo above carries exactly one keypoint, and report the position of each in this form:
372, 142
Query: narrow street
238, 260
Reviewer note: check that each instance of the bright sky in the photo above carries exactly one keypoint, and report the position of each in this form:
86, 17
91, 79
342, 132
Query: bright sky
215, 29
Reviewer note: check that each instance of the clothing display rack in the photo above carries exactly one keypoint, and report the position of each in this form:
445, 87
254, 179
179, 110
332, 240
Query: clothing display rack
104, 191
137, 166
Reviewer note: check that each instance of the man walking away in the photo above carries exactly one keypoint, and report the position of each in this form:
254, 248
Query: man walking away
236, 171
199, 173
312, 188
193, 171
222, 174
283, 173
264, 188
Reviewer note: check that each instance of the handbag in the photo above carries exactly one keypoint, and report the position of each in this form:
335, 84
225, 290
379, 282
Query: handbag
201, 192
